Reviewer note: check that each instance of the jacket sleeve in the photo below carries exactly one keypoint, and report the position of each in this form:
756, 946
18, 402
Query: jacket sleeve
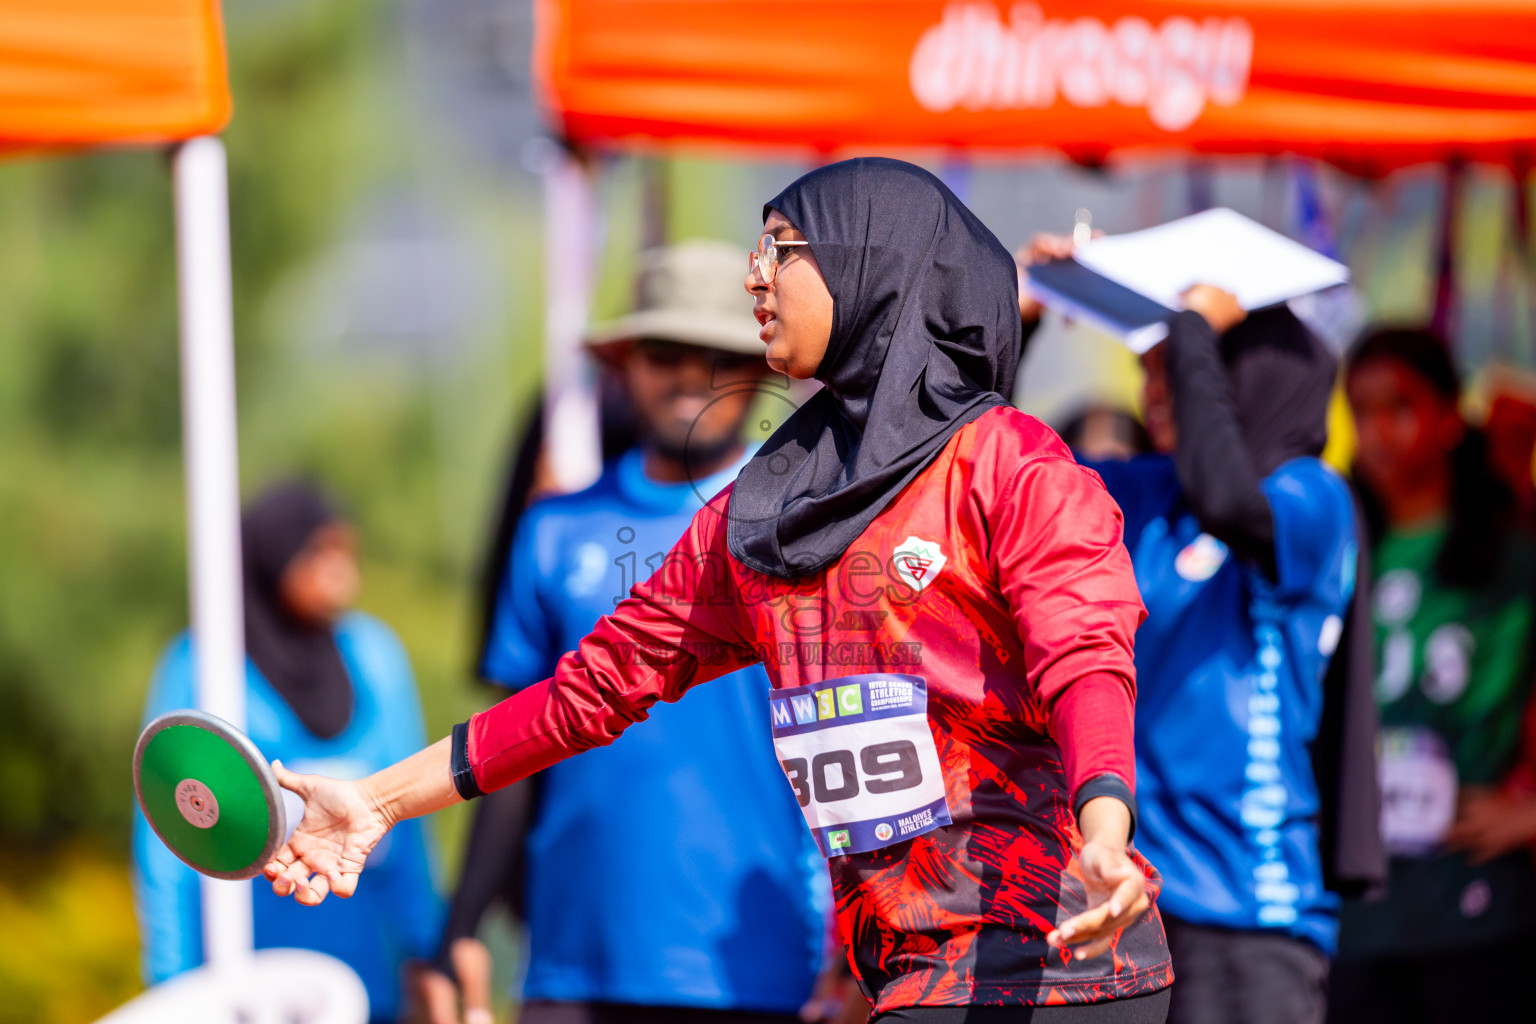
1220, 481
1056, 551
679, 628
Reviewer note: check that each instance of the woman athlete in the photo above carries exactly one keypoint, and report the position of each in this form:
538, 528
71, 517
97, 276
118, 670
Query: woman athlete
943, 604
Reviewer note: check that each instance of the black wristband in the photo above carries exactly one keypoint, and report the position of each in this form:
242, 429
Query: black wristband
1107, 784
463, 774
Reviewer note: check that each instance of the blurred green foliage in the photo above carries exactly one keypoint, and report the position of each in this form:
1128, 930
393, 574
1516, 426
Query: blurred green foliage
92, 524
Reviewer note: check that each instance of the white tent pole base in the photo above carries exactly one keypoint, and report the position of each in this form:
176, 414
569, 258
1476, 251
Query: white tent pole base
212, 483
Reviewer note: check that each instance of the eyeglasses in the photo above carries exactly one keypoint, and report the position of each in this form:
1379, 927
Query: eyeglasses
768, 255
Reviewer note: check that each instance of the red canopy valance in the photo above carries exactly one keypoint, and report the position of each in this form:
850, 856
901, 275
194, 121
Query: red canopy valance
1371, 83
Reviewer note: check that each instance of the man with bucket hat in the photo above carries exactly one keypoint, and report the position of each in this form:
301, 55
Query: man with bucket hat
647, 893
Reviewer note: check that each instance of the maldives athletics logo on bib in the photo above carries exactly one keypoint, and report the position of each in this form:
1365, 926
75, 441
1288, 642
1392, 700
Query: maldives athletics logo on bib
918, 561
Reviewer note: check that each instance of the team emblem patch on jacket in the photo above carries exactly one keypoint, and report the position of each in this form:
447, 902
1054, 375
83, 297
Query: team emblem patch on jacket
918, 561
1200, 559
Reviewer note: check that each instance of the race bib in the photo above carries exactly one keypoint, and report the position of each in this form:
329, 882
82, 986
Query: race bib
1418, 791
861, 759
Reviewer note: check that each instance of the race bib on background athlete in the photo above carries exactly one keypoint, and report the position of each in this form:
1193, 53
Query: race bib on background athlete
1418, 791
861, 759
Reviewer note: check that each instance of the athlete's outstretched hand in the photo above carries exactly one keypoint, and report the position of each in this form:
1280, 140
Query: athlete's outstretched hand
341, 826
1116, 887
344, 821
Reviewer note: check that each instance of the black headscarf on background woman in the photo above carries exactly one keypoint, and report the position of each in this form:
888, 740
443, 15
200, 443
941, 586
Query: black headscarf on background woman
300, 660
925, 338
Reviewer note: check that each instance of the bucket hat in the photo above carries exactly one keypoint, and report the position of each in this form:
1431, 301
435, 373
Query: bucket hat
690, 293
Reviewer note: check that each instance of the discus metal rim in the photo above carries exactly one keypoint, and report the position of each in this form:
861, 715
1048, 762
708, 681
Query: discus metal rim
277, 812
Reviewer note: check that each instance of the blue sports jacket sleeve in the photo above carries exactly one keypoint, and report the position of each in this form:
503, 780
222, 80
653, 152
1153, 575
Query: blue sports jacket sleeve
1220, 481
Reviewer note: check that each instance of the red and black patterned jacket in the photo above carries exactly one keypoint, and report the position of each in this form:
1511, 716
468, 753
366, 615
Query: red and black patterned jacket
1020, 613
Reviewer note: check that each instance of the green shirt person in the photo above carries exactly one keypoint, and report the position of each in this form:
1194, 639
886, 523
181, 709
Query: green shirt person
1454, 608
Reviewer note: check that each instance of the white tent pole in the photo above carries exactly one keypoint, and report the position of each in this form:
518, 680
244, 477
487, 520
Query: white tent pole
212, 482
571, 433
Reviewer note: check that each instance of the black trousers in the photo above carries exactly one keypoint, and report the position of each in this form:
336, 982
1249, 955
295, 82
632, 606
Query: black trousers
1480, 985
1234, 977
618, 1013
1150, 1009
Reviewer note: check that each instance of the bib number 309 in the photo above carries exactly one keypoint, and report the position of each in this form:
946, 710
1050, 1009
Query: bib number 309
861, 759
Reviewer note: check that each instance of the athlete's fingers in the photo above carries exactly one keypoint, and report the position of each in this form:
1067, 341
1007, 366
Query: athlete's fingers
1096, 943
1130, 890
1127, 904
1134, 909
1097, 927
1083, 927
314, 894
1086, 943
343, 883
280, 862
281, 884
1093, 949
293, 781
297, 878
289, 876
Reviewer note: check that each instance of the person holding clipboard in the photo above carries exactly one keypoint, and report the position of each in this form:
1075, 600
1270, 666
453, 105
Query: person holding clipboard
1245, 549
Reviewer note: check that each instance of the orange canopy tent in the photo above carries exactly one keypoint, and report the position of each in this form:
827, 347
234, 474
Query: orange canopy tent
77, 73
1369, 84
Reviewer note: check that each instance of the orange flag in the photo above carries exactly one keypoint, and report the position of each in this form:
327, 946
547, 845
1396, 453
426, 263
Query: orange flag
85, 72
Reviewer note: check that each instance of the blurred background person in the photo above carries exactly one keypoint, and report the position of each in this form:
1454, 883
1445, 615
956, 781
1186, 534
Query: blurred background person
502, 818
1244, 544
1100, 432
1511, 432
646, 894
328, 689
1454, 601
1245, 551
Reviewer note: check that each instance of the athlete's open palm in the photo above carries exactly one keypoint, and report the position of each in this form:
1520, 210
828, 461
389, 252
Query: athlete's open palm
341, 826
1117, 895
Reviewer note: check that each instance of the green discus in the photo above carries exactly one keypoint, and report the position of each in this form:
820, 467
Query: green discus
209, 794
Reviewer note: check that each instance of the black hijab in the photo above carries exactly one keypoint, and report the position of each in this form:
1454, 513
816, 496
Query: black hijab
300, 660
925, 338
1282, 381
